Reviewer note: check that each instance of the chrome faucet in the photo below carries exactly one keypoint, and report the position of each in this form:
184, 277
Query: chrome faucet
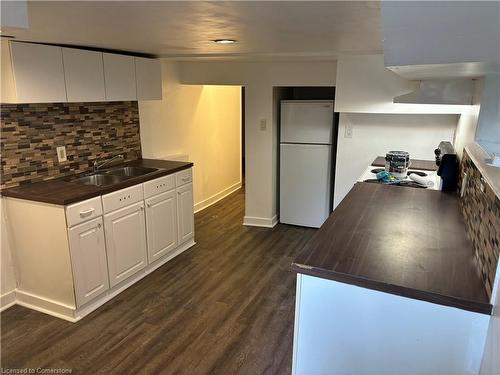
97, 165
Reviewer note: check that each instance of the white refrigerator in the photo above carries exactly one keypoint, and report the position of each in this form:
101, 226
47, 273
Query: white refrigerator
306, 133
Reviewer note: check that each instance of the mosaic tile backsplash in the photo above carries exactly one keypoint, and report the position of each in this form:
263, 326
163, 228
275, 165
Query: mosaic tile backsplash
30, 134
481, 209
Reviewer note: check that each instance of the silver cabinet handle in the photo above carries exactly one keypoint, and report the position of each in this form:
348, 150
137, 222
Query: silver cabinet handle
142, 208
87, 212
99, 225
149, 204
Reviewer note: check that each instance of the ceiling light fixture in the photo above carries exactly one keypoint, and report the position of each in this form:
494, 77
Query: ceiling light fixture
224, 41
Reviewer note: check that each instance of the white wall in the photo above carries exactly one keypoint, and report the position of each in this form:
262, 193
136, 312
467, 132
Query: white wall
8, 280
375, 134
364, 85
468, 120
259, 78
202, 122
488, 130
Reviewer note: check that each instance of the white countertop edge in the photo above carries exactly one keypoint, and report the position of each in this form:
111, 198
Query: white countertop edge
491, 174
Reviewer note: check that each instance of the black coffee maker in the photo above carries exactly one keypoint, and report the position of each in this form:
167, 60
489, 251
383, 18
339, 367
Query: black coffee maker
447, 161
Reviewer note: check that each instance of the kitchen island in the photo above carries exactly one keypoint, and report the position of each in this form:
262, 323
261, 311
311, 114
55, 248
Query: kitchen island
388, 286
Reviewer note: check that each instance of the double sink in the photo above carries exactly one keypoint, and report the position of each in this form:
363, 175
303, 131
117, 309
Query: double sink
113, 175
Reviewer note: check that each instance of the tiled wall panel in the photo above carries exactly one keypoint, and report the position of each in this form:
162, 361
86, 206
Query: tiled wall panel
30, 134
481, 209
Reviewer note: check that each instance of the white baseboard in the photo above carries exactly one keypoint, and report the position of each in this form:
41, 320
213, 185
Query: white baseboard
73, 314
216, 197
7, 300
45, 305
264, 222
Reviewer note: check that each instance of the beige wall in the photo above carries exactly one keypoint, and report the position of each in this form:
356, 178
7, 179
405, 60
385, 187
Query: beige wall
202, 122
259, 78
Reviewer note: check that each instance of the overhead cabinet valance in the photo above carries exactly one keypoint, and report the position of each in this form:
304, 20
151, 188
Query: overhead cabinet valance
38, 73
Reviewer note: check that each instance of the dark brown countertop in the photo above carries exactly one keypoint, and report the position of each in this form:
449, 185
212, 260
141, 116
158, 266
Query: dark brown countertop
408, 242
63, 192
425, 165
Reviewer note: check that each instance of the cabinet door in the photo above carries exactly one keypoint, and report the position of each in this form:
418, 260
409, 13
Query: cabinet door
88, 259
119, 77
161, 225
125, 242
185, 213
84, 74
38, 73
148, 76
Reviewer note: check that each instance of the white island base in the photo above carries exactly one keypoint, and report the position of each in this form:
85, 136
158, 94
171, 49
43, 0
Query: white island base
341, 329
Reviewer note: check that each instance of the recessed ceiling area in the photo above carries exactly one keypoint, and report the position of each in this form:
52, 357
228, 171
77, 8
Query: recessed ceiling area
187, 29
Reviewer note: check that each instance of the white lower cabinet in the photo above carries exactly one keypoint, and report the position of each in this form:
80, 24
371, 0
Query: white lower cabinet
185, 212
161, 225
125, 242
88, 258
81, 255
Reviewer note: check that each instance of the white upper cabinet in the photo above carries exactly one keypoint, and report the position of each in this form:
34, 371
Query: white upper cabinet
148, 76
84, 73
119, 75
441, 39
38, 73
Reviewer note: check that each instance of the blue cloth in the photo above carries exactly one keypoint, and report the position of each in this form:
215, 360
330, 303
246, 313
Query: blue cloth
386, 178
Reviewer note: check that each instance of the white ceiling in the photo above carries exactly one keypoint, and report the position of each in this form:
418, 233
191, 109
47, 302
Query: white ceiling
184, 29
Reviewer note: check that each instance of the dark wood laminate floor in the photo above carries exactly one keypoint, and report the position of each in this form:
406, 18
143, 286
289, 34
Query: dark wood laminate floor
226, 306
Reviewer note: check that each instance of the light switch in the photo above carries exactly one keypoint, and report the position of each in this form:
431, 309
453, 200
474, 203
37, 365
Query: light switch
61, 154
263, 124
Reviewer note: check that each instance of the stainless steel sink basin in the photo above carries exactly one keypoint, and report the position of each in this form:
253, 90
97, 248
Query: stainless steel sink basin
130, 171
99, 179
112, 176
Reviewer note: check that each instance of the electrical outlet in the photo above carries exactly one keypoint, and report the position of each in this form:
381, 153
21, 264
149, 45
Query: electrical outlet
61, 154
348, 130
263, 124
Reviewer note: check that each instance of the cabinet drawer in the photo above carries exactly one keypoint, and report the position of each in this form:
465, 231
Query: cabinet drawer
79, 212
183, 177
159, 185
121, 198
